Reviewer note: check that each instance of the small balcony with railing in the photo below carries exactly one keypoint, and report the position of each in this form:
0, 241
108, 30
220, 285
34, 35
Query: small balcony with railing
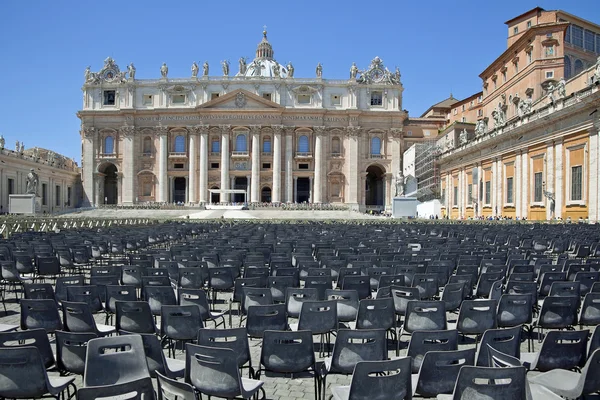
240, 154
177, 154
303, 155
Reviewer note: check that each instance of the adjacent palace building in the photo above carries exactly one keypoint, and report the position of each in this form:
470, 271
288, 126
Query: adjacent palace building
524, 146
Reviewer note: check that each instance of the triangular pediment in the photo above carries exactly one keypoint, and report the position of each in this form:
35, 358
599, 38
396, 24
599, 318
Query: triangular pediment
240, 99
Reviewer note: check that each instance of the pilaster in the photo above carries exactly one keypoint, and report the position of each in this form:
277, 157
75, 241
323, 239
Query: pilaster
318, 181
290, 183
255, 188
593, 187
225, 132
128, 191
163, 185
276, 190
558, 177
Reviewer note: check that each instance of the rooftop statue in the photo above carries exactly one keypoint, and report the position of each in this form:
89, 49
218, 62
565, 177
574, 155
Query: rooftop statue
2, 142
17, 146
131, 71
561, 88
290, 70
463, 137
194, 69
353, 71
164, 70
205, 68
276, 70
399, 184
597, 70
32, 182
225, 66
243, 65
319, 70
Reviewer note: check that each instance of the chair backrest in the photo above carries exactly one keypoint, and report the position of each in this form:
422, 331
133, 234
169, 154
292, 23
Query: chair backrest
39, 291
62, 282
318, 316
212, 370
507, 341
31, 337
22, 373
427, 285
295, 297
116, 293
561, 288
402, 295
180, 322
287, 352
155, 356
352, 346
115, 360
255, 297
425, 315
376, 314
139, 389
78, 317
498, 359
381, 380
563, 349
268, 317
423, 341
71, 349
346, 302
134, 316
514, 309
477, 316
440, 369
558, 312
453, 295
591, 371
172, 389
235, 339
89, 294
158, 296
490, 383
41, 313
359, 283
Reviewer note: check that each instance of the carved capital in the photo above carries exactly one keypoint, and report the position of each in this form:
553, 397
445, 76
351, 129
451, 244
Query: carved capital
88, 131
162, 130
289, 130
255, 129
225, 129
277, 129
201, 129
319, 130
127, 131
396, 133
353, 131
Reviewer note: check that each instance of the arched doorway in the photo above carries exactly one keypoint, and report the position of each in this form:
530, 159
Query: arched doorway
179, 187
111, 179
240, 183
215, 197
265, 195
374, 192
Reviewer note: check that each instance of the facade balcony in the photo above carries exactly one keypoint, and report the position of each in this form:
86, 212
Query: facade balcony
175, 154
266, 154
307, 154
215, 154
240, 154
147, 155
107, 155
336, 154
376, 156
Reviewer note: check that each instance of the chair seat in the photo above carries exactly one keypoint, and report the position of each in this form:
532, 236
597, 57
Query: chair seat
414, 379
293, 327
340, 392
59, 383
559, 381
177, 367
539, 392
251, 385
8, 327
105, 329
528, 360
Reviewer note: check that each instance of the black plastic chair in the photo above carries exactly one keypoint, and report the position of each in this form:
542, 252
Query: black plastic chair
37, 338
319, 317
424, 315
378, 314
71, 349
158, 296
134, 316
41, 313
199, 298
78, 317
235, 339
261, 318
560, 349
506, 340
439, 371
423, 341
179, 324
172, 389
490, 383
155, 357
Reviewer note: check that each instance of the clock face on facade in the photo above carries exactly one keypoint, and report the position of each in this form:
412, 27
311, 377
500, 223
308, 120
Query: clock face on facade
376, 74
109, 74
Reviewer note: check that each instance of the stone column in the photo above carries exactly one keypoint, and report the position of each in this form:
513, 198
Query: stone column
517, 185
311, 189
294, 189
549, 169
127, 191
460, 193
525, 184
98, 180
249, 185
203, 185
290, 184
354, 186
558, 177
225, 130
192, 178
255, 188
276, 192
163, 185
593, 174
88, 136
318, 181
494, 186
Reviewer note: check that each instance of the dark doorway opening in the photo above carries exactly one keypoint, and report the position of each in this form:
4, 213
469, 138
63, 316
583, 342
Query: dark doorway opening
302, 190
111, 194
374, 190
179, 187
240, 183
265, 195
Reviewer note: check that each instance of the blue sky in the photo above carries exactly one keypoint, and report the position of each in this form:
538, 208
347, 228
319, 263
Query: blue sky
439, 46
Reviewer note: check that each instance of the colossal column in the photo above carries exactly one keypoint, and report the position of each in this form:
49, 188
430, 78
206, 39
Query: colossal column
558, 168
203, 186
128, 188
192, 179
318, 181
289, 163
352, 166
593, 175
255, 188
276, 192
88, 135
225, 129
549, 161
163, 185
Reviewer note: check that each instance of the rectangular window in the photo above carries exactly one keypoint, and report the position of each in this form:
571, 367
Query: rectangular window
69, 194
480, 99
528, 24
455, 111
336, 100
537, 187
455, 199
178, 99
147, 189
516, 67
598, 44
266, 165
376, 98
147, 100
266, 96
303, 99
549, 51
589, 40
464, 119
463, 108
577, 35
178, 165
480, 113
302, 166
443, 199
214, 165
503, 76
470, 193
488, 192
576, 183
57, 191
109, 97
529, 57
214, 96
495, 84
215, 146
267, 146
44, 194
509, 190
568, 34
515, 30
549, 74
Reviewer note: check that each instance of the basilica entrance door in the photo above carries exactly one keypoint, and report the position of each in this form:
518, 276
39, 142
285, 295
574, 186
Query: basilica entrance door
302, 190
240, 183
374, 185
110, 185
179, 186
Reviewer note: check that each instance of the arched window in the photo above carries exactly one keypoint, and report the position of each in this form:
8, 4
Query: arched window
241, 144
109, 145
180, 144
336, 147
215, 145
147, 145
303, 146
266, 144
376, 146
578, 67
567, 67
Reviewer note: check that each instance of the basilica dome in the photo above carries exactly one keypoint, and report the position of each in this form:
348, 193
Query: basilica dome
263, 65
